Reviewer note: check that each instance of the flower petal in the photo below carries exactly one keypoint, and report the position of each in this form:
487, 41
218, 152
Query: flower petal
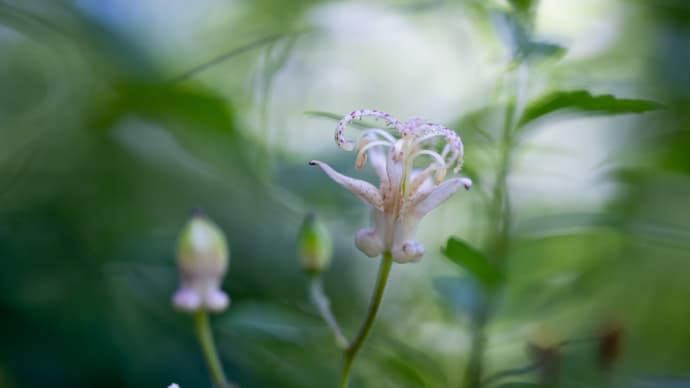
363, 189
377, 158
369, 242
426, 201
408, 252
216, 300
187, 299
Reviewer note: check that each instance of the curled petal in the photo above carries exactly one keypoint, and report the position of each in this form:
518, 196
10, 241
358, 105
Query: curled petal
425, 201
362, 189
409, 251
358, 114
369, 242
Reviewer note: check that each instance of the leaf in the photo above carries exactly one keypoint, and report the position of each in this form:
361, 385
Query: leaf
461, 295
543, 50
334, 116
520, 385
584, 101
473, 261
516, 30
523, 5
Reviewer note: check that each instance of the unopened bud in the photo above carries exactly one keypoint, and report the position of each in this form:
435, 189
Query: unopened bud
202, 261
314, 244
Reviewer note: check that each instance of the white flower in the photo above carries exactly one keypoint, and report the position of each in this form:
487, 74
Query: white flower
405, 194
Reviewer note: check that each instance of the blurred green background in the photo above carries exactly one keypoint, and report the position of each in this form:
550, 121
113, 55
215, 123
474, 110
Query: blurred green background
118, 117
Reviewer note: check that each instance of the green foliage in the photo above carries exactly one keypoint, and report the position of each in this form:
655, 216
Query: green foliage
104, 153
473, 261
584, 102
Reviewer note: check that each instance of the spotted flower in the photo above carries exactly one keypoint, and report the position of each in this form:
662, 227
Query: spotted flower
406, 193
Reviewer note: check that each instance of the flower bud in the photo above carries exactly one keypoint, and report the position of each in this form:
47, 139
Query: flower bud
202, 261
314, 244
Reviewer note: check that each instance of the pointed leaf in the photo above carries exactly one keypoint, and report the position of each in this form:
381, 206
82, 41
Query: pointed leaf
583, 101
473, 261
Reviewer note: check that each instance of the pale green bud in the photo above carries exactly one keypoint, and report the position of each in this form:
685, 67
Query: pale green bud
314, 244
202, 261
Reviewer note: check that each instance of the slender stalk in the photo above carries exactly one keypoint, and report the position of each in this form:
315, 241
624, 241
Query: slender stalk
208, 346
374, 303
322, 303
499, 230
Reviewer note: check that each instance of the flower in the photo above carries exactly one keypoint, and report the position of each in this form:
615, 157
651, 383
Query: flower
406, 194
202, 261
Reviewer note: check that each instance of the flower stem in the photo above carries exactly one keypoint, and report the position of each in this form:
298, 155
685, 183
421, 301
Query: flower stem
374, 303
322, 303
208, 346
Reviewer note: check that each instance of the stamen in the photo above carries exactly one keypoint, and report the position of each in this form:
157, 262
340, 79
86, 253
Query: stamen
362, 155
420, 178
440, 166
440, 174
380, 132
427, 131
433, 154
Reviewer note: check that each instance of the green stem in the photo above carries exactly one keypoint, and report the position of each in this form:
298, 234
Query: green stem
322, 303
374, 303
499, 229
208, 346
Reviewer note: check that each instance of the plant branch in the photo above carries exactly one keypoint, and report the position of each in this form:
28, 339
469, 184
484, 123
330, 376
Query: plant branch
499, 230
375, 302
320, 300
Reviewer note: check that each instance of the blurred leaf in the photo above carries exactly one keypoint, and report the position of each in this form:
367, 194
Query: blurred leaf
461, 295
270, 320
473, 261
523, 5
520, 385
409, 366
543, 49
584, 101
563, 223
334, 116
226, 56
515, 28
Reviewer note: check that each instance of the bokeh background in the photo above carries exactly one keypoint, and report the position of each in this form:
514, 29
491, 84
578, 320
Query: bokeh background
118, 117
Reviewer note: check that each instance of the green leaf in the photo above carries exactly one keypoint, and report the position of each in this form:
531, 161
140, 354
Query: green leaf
584, 101
515, 29
461, 296
336, 117
523, 5
473, 261
543, 50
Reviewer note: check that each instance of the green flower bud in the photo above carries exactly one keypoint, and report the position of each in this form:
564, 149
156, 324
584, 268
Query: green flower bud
314, 244
202, 261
